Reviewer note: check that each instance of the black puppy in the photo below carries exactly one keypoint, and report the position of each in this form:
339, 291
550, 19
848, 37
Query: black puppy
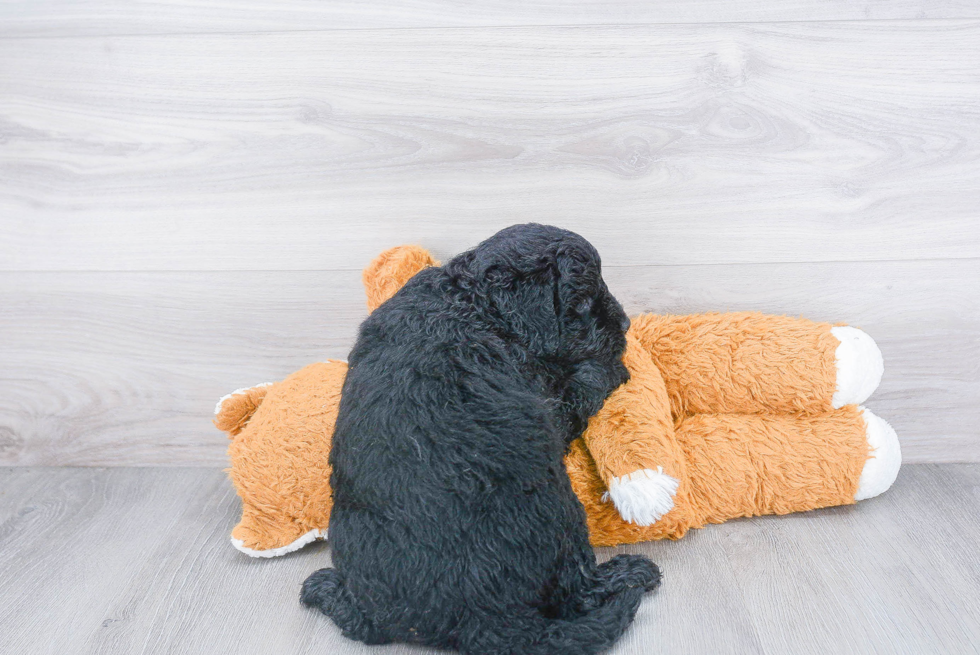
454, 523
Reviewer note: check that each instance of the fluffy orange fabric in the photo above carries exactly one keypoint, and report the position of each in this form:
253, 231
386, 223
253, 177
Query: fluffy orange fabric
235, 410
737, 465
634, 429
735, 407
742, 362
390, 270
279, 458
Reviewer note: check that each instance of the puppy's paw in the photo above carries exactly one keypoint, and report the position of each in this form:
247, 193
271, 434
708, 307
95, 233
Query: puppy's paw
644, 496
859, 366
647, 574
885, 458
624, 571
321, 589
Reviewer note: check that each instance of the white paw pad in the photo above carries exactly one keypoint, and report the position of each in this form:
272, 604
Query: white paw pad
308, 538
885, 458
643, 496
859, 366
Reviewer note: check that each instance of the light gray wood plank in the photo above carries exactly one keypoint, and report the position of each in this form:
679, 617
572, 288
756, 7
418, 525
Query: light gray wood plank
844, 580
699, 607
125, 368
123, 560
107, 17
114, 369
138, 561
866, 571
672, 144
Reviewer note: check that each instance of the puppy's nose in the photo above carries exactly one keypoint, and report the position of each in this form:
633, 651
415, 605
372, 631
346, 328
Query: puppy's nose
625, 324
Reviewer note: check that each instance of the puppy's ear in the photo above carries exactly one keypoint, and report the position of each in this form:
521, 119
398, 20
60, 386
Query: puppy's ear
527, 304
578, 286
592, 335
547, 297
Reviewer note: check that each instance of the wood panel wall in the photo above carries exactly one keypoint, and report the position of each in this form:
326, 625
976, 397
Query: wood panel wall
188, 192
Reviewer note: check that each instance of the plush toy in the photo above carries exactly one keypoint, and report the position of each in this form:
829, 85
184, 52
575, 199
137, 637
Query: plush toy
725, 415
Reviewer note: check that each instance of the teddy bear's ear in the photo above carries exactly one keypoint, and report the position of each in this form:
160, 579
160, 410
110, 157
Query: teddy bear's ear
390, 270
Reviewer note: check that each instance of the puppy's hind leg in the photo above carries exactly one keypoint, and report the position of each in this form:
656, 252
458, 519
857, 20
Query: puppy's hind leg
325, 591
609, 612
616, 575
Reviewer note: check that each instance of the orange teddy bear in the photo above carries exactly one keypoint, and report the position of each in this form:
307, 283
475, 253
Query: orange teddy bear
724, 415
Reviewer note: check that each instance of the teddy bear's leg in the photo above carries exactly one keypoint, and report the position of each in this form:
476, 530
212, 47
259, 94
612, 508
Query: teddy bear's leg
752, 465
881, 468
750, 363
859, 366
749, 465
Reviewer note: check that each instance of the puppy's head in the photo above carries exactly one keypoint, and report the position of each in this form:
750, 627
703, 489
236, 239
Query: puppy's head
546, 286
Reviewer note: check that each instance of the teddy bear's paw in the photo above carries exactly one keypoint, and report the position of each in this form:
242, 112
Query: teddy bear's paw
859, 366
236, 395
885, 458
313, 535
643, 496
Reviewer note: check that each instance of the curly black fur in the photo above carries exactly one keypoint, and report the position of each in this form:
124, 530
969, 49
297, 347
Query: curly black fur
454, 523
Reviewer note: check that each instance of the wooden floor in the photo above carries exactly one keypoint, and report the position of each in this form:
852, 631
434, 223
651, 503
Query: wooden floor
129, 560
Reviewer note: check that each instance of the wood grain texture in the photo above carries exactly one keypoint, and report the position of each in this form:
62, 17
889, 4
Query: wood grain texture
113, 17
115, 369
138, 561
670, 144
125, 368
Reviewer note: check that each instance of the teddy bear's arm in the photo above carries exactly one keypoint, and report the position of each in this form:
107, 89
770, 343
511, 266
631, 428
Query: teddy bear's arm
752, 363
631, 440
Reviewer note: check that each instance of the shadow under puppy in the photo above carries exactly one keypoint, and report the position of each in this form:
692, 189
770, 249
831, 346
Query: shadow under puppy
454, 522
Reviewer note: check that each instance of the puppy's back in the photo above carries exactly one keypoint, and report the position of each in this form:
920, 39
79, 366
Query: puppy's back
454, 523
431, 400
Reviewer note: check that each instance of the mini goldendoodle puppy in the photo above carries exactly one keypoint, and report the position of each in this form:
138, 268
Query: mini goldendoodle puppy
454, 523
